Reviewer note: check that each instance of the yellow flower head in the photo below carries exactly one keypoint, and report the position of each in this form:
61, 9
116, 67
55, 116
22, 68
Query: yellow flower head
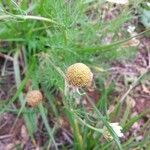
34, 98
79, 75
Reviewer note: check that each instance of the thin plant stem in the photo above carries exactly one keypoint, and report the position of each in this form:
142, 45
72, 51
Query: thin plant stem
28, 17
133, 85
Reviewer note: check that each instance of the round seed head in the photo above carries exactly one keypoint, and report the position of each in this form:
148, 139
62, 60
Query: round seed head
34, 98
79, 75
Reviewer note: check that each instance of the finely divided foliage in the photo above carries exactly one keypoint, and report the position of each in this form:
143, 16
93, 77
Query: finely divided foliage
50, 35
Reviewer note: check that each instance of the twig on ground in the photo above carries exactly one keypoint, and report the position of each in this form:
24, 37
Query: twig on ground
6, 57
5, 136
133, 85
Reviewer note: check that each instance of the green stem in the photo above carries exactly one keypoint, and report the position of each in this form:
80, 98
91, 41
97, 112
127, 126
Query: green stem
29, 17
101, 117
42, 112
106, 47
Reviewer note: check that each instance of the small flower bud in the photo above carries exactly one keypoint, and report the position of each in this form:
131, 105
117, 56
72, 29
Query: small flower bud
34, 98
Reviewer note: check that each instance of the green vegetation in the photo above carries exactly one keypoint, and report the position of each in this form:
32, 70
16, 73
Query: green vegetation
47, 36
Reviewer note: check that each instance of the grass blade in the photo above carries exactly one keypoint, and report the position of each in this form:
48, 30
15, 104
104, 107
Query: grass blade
43, 115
